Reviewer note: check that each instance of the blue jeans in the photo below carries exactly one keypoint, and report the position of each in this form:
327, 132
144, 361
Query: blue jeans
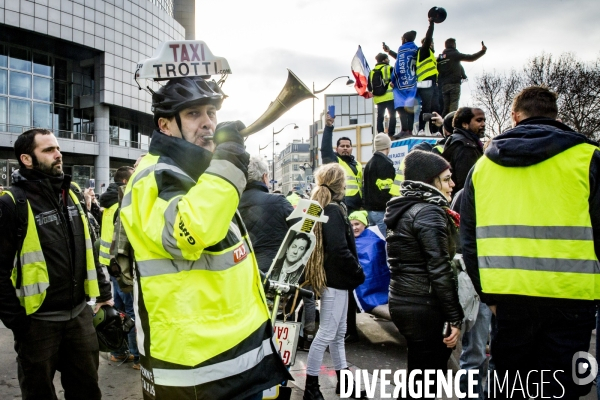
376, 218
124, 302
473, 354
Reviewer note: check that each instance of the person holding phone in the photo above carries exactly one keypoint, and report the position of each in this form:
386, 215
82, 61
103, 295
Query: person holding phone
422, 240
451, 73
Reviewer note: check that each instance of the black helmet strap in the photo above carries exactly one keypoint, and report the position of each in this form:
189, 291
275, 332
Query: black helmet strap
178, 120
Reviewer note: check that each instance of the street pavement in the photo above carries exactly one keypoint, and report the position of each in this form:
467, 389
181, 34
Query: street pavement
381, 347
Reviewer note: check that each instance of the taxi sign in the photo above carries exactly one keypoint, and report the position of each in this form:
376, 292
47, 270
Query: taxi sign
180, 58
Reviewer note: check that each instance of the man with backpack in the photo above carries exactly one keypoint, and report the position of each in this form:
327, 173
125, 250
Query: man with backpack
47, 274
383, 97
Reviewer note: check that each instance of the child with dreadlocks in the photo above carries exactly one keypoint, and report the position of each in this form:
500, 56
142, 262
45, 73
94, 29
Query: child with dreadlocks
332, 270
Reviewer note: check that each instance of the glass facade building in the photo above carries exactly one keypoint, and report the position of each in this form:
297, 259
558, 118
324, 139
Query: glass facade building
67, 66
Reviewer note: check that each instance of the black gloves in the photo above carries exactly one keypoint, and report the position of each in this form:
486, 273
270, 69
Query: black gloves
230, 145
229, 132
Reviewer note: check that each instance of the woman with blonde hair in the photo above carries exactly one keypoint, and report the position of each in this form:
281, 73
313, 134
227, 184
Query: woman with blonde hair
332, 270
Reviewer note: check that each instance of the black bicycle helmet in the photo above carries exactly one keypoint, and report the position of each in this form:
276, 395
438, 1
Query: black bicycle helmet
181, 93
109, 328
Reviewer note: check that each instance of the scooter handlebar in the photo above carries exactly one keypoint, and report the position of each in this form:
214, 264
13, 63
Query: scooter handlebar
283, 288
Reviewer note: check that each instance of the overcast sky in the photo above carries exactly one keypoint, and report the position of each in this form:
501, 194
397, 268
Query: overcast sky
317, 39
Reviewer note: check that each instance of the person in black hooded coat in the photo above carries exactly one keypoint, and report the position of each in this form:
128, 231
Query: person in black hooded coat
422, 239
264, 214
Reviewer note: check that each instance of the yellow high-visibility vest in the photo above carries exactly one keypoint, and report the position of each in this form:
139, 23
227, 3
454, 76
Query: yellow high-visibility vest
34, 270
106, 237
427, 67
197, 276
534, 232
353, 182
386, 74
395, 189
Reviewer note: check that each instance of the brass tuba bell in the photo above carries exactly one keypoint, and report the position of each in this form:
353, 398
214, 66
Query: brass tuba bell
292, 93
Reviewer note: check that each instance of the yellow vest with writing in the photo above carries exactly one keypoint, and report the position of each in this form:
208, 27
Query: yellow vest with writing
534, 232
197, 274
35, 280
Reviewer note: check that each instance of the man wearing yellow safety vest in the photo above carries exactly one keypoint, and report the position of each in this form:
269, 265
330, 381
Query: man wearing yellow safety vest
378, 179
202, 319
109, 201
383, 95
343, 156
353, 198
47, 274
530, 232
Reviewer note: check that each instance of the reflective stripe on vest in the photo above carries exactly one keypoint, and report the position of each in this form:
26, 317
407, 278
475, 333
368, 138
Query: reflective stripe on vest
213, 372
427, 67
530, 245
198, 280
108, 228
386, 75
353, 182
35, 279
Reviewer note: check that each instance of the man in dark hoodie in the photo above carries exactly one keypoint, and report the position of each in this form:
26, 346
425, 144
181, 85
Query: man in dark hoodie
530, 232
452, 73
463, 148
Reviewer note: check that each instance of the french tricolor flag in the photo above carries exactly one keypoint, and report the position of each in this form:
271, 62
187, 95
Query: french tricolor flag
361, 70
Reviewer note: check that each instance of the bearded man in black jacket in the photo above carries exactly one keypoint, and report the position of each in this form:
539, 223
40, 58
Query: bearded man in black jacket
48, 314
463, 148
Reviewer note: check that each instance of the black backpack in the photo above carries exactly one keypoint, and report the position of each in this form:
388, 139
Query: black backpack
377, 83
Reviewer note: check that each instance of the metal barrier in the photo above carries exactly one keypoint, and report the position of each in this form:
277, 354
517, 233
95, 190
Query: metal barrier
88, 137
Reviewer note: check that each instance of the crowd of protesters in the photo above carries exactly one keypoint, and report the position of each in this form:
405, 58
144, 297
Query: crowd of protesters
525, 227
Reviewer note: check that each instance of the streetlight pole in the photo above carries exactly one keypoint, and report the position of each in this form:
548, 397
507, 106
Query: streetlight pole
312, 117
275, 133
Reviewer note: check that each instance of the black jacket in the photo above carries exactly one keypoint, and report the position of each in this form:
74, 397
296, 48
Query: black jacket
264, 215
340, 257
111, 196
381, 167
449, 68
462, 150
329, 156
532, 141
420, 248
62, 238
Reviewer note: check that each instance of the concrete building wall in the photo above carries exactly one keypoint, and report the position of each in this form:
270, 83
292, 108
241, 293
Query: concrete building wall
121, 33
184, 12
